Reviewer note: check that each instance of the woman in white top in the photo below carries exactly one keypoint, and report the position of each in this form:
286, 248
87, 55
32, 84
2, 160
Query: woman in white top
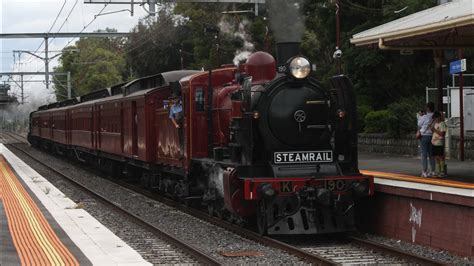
424, 124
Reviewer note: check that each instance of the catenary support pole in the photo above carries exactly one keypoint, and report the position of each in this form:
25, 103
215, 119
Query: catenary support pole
461, 110
46, 62
438, 59
22, 90
69, 85
338, 34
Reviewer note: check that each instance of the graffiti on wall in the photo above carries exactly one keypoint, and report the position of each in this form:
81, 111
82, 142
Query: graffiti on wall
415, 220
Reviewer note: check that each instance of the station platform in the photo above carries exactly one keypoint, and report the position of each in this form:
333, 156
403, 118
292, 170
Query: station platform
434, 212
39, 225
389, 166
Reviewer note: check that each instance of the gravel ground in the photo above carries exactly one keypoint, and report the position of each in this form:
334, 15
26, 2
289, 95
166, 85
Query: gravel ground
335, 239
209, 238
147, 244
440, 255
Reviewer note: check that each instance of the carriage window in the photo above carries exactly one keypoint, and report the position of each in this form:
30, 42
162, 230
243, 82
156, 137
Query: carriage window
199, 99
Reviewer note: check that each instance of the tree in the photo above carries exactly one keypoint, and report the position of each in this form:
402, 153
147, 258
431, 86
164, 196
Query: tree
154, 46
98, 64
375, 74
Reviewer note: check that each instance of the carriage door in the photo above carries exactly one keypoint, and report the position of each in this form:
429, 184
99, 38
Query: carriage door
134, 128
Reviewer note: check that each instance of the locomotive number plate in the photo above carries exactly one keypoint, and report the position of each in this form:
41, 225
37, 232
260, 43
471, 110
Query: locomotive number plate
302, 157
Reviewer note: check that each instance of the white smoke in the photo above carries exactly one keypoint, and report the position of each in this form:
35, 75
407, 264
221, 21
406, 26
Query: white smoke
286, 20
239, 32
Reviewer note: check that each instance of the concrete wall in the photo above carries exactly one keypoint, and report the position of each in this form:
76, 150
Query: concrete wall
382, 143
468, 147
408, 145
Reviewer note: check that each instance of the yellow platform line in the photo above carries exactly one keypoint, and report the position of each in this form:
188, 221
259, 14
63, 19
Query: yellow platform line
37, 243
417, 179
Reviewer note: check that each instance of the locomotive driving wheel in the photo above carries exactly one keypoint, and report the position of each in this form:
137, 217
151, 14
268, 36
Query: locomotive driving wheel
262, 217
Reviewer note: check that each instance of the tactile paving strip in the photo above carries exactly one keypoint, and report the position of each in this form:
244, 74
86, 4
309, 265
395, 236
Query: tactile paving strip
35, 241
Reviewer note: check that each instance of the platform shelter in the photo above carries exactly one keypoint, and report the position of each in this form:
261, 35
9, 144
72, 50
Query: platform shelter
448, 26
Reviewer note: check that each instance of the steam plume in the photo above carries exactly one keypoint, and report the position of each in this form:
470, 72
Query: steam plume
286, 19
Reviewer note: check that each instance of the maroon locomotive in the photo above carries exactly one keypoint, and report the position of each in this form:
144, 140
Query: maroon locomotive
259, 140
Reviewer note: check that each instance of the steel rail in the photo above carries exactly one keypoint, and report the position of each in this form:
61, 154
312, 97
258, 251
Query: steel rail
194, 252
16, 136
409, 256
268, 241
264, 240
245, 233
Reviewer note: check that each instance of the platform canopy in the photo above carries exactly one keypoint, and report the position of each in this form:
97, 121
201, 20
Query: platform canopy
446, 26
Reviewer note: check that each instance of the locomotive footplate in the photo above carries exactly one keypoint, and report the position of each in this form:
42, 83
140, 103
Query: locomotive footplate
306, 205
287, 215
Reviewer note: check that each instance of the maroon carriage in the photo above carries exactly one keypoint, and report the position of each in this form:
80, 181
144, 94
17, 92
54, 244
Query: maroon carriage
256, 142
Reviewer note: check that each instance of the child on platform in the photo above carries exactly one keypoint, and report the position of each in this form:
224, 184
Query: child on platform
439, 132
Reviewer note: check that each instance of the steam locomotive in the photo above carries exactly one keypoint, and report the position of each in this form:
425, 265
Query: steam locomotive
262, 141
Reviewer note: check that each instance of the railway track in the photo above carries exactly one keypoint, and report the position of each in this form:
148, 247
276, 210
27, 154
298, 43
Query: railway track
168, 251
355, 252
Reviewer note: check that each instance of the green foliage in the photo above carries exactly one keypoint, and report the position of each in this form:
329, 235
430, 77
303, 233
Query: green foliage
377, 121
403, 116
154, 45
197, 35
98, 64
399, 117
379, 77
362, 111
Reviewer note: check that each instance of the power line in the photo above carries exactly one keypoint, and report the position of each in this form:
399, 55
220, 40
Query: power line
56, 19
85, 27
68, 15
54, 23
362, 8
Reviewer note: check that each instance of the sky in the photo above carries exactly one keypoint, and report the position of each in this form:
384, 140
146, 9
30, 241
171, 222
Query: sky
35, 16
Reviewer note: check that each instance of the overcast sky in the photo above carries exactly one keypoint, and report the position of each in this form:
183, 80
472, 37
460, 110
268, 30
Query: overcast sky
29, 16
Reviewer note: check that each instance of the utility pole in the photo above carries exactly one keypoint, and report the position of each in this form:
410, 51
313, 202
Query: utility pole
69, 85
461, 108
21, 85
22, 90
338, 54
46, 37
46, 60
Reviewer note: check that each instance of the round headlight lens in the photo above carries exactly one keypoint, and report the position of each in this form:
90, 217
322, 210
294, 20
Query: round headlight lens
300, 67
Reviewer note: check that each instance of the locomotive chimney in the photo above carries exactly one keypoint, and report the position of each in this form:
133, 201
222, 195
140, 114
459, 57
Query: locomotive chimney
286, 50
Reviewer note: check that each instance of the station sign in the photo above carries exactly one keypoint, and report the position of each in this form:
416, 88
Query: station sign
458, 66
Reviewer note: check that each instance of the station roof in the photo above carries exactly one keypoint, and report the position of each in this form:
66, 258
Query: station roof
450, 25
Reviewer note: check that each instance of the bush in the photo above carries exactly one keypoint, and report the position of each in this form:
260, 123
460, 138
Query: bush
362, 111
403, 115
399, 118
377, 121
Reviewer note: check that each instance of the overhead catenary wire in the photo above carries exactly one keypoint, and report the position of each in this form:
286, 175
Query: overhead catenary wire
88, 24
57, 16
354, 6
66, 19
84, 28
54, 23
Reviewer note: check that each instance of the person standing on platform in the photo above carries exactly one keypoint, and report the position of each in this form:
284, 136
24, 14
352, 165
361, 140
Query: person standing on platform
439, 132
424, 124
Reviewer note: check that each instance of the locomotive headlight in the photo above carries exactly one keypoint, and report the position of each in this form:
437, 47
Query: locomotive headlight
300, 67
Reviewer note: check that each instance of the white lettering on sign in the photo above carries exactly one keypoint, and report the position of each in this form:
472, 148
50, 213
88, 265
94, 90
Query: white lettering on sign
302, 157
278, 157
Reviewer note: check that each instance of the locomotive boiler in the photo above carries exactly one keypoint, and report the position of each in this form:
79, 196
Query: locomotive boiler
263, 141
